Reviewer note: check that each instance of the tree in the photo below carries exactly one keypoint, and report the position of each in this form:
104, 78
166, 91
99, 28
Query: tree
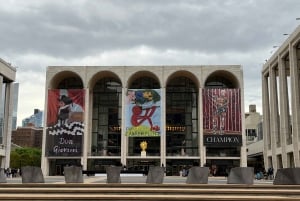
27, 156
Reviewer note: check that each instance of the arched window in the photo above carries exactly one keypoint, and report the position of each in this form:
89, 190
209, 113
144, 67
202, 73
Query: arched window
153, 143
106, 119
70, 83
181, 117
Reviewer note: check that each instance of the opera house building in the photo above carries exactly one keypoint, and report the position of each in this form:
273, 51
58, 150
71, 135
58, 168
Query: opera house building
139, 116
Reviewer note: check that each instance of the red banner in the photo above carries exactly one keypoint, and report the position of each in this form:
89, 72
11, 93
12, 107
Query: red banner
222, 111
65, 122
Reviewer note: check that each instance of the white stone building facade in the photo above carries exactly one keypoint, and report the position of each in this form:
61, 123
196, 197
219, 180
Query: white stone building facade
7, 78
181, 140
281, 105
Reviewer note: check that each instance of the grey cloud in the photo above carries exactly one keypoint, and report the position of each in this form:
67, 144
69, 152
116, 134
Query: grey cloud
79, 28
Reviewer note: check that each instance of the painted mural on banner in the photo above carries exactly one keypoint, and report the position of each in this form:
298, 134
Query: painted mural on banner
143, 113
65, 125
222, 123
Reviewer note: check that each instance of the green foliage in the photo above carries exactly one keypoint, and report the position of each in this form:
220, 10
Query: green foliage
25, 156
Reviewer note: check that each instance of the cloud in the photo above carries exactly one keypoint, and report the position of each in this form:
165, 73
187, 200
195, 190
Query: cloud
80, 28
36, 34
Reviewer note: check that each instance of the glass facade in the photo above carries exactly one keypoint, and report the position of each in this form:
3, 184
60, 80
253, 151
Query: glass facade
182, 118
106, 120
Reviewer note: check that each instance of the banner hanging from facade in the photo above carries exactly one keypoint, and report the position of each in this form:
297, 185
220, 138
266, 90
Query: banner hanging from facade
222, 122
65, 125
143, 113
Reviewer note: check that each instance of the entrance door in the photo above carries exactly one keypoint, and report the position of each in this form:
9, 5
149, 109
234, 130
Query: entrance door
58, 170
221, 167
141, 165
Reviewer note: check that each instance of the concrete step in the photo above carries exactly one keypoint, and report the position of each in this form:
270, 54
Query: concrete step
148, 192
204, 197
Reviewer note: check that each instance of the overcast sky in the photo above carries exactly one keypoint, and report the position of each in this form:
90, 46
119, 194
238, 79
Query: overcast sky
35, 34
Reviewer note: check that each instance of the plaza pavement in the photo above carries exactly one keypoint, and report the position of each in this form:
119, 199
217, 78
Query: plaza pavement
135, 179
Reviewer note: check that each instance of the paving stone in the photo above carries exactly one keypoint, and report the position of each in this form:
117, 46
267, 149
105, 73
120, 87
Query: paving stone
73, 174
197, 175
287, 176
155, 175
241, 175
2, 176
32, 174
113, 174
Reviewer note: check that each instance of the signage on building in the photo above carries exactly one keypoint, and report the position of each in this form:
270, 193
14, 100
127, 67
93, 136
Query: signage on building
222, 124
143, 113
65, 125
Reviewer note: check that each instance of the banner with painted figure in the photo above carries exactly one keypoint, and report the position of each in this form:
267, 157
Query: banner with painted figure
65, 125
143, 113
222, 122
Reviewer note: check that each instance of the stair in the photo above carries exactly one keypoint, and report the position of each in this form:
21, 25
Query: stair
157, 192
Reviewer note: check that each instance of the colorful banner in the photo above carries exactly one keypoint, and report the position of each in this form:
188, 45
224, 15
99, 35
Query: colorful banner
143, 113
65, 125
222, 122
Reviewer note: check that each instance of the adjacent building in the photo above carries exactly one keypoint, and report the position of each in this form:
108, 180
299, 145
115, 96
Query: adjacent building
252, 121
171, 116
7, 78
254, 133
281, 103
29, 136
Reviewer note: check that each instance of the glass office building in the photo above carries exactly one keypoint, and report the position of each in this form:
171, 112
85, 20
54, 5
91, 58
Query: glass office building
105, 115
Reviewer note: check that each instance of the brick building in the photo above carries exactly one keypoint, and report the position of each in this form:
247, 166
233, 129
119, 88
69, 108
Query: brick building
28, 137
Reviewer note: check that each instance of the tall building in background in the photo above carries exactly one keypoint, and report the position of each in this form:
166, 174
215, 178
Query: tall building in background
35, 120
7, 78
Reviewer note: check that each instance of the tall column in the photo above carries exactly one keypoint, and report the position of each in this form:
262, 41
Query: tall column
295, 102
1, 84
44, 160
284, 109
274, 115
2, 142
8, 111
200, 130
88, 111
163, 127
266, 119
243, 154
124, 139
